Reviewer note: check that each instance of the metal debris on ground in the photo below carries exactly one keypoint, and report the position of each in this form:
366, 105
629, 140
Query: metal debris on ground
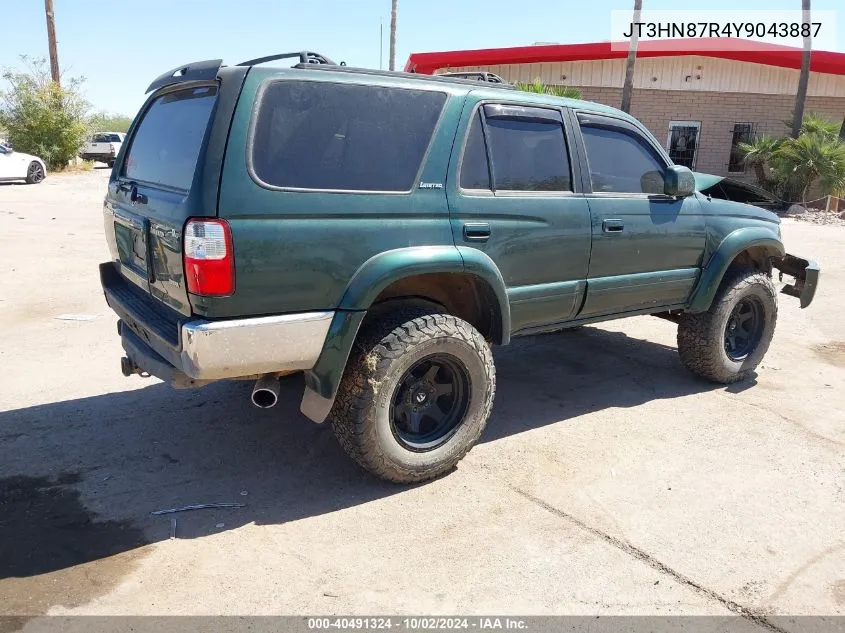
76, 317
199, 506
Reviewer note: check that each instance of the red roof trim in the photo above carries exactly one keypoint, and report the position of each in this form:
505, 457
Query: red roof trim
740, 50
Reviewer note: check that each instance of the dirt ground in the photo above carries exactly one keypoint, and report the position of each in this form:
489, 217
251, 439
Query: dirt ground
609, 480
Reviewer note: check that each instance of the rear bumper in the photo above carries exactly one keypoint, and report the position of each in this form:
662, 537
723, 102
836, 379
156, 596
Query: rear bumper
806, 273
184, 351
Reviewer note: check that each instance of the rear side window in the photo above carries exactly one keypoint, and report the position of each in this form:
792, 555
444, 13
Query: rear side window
621, 162
474, 170
528, 155
165, 148
320, 135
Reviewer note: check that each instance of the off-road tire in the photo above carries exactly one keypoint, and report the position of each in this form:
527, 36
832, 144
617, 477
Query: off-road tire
701, 337
385, 349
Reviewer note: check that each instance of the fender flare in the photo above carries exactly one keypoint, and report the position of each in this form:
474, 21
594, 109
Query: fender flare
731, 246
376, 274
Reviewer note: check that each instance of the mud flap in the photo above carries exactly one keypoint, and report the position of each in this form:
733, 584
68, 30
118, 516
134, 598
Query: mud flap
806, 274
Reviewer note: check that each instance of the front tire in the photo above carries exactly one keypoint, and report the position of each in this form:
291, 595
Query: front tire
415, 395
35, 173
726, 343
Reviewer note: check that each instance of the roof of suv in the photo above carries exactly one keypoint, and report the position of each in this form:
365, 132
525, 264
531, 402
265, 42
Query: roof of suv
314, 62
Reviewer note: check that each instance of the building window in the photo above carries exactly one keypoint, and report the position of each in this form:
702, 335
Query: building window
682, 143
743, 133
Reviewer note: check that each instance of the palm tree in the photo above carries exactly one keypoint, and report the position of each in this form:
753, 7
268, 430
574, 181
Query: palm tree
392, 61
537, 86
628, 86
760, 153
811, 158
804, 77
816, 124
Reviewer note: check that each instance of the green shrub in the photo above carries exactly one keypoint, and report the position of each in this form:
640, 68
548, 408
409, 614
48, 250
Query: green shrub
557, 91
41, 117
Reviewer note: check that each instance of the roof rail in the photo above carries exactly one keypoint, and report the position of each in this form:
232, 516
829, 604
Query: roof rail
444, 78
305, 57
207, 70
477, 75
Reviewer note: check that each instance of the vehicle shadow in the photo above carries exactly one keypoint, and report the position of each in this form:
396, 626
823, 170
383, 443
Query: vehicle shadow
79, 478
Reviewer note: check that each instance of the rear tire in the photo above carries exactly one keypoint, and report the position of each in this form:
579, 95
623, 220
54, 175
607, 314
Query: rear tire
110, 163
726, 343
415, 395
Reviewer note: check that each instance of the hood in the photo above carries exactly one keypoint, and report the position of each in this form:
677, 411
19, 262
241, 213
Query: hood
733, 209
24, 156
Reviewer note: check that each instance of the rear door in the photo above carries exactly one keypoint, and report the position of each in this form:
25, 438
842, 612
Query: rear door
157, 189
512, 194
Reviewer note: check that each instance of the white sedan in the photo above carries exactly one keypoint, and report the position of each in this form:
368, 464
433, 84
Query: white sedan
19, 166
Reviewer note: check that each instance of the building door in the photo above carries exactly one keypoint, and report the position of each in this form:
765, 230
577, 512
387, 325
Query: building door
682, 143
647, 246
512, 195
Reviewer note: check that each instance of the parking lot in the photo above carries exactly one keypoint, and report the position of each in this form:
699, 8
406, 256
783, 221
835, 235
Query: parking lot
609, 480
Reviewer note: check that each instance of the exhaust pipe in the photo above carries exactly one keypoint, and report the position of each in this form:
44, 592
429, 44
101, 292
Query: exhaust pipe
265, 393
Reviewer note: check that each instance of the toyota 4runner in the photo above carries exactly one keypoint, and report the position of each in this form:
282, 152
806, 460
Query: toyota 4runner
380, 231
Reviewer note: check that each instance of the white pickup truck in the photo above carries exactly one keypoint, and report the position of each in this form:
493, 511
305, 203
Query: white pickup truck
103, 147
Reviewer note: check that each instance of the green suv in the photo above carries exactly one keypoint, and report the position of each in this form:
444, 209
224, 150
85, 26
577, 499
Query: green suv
380, 231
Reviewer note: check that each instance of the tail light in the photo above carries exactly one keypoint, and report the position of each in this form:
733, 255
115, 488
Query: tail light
111, 149
209, 258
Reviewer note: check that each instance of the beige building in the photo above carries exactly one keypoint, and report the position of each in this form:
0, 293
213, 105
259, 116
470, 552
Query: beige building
699, 103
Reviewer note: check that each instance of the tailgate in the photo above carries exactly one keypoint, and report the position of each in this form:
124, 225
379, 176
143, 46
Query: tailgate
157, 189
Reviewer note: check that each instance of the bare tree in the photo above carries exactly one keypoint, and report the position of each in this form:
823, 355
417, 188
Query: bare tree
628, 87
804, 77
393, 34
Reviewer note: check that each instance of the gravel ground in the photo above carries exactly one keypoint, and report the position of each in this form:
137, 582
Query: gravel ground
609, 481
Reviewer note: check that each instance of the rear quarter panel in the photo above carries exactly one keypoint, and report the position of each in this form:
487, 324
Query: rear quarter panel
298, 250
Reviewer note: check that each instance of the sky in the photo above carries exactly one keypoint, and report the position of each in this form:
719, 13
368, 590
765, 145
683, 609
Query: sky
120, 46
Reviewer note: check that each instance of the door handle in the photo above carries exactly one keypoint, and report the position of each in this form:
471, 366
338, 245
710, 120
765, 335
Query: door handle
612, 226
476, 231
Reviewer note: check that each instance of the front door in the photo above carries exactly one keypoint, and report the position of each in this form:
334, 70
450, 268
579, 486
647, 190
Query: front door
512, 195
647, 246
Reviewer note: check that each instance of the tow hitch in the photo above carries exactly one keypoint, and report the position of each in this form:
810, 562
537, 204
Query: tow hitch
806, 273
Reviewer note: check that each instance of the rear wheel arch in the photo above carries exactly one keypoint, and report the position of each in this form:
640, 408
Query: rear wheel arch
430, 275
464, 295
440, 274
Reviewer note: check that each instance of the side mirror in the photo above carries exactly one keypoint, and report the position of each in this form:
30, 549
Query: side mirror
679, 182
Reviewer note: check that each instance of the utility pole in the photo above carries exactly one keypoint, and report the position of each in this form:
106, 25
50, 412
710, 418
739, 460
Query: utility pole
628, 86
804, 77
392, 61
51, 37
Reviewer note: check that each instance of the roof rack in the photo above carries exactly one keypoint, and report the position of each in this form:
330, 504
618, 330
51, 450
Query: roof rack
207, 70
305, 57
477, 76
441, 78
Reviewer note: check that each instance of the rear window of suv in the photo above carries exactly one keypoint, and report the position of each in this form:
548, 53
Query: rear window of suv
333, 136
165, 148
